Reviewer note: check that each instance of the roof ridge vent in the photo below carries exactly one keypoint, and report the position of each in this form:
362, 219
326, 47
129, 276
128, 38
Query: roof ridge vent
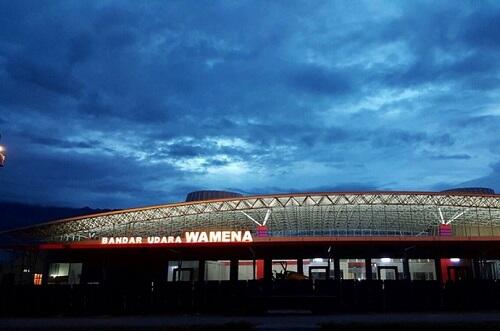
211, 195
473, 190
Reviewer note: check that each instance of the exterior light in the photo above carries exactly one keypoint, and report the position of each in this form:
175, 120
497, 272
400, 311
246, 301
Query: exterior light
454, 260
318, 260
2, 156
386, 260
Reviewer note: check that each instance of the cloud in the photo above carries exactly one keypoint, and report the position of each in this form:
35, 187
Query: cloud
483, 29
319, 80
120, 104
345, 187
43, 76
451, 157
491, 180
98, 179
60, 143
80, 48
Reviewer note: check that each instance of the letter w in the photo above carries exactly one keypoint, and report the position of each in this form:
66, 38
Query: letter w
192, 237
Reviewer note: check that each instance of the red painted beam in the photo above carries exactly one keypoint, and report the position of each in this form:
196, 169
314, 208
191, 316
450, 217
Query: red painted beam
286, 241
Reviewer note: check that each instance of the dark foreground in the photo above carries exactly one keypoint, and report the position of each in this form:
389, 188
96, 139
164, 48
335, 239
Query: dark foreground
488, 321
249, 298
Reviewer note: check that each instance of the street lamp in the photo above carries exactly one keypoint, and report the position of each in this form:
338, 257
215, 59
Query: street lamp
2, 154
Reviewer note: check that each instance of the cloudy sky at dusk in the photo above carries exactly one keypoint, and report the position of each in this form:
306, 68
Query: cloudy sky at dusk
113, 104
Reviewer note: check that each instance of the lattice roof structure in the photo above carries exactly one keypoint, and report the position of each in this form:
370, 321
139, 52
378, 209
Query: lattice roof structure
298, 214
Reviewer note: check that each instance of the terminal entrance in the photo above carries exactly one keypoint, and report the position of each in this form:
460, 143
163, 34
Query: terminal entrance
387, 273
459, 273
317, 273
183, 274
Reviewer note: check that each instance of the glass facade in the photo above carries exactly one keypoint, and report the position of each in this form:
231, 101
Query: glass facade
182, 271
352, 269
318, 268
65, 273
248, 269
490, 269
282, 267
422, 269
387, 268
217, 270
382, 268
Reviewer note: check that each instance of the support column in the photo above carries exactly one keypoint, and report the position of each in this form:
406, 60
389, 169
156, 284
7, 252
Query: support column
267, 286
437, 267
336, 268
233, 270
406, 269
105, 271
45, 272
268, 269
368, 268
201, 270
300, 266
156, 272
476, 267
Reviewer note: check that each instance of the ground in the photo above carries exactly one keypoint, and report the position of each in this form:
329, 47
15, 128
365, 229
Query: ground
486, 321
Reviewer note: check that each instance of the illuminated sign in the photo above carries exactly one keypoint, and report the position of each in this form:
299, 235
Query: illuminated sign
445, 230
189, 237
262, 231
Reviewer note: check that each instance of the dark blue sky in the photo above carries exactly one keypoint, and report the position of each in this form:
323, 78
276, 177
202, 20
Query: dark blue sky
117, 104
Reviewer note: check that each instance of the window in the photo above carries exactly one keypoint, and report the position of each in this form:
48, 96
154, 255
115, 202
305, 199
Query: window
182, 271
353, 269
246, 269
65, 273
217, 270
37, 279
422, 269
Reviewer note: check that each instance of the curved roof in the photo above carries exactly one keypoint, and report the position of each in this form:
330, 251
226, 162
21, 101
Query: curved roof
297, 214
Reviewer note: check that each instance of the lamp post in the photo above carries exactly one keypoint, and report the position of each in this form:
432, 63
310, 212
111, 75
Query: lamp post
2, 154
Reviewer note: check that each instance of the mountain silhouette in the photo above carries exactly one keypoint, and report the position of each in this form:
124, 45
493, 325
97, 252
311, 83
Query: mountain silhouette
14, 214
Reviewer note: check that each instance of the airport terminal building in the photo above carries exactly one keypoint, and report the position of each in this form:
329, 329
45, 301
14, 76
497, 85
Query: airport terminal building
311, 245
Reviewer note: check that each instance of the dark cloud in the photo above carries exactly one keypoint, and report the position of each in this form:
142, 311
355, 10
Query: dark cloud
483, 29
345, 187
185, 150
36, 75
94, 105
120, 38
491, 180
394, 138
95, 178
80, 48
60, 143
451, 157
317, 80
112, 17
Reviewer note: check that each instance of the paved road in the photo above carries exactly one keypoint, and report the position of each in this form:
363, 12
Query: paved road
277, 321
